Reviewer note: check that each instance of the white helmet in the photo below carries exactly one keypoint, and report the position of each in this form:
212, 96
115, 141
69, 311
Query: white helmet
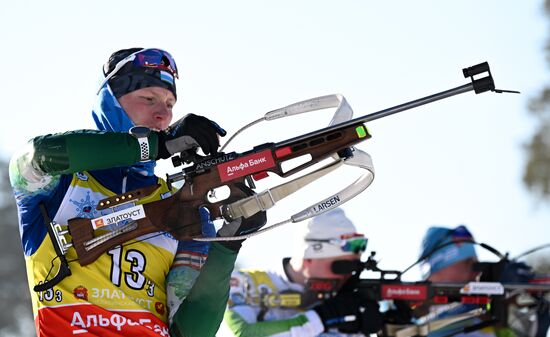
332, 234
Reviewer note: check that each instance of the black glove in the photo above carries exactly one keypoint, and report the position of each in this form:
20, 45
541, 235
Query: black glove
516, 272
350, 314
372, 320
189, 132
399, 313
241, 225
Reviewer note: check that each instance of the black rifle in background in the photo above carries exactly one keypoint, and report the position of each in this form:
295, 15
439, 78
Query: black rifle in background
501, 285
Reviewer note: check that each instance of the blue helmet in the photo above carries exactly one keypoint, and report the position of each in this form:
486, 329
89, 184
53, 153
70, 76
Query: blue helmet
442, 247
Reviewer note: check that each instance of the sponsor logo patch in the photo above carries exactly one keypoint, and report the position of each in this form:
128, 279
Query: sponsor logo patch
252, 163
483, 288
404, 292
329, 203
132, 213
81, 293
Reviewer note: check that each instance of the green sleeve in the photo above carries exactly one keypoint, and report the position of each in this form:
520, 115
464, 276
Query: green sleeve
201, 313
83, 150
241, 328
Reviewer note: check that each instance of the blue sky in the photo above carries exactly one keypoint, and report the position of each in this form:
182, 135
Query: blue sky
453, 162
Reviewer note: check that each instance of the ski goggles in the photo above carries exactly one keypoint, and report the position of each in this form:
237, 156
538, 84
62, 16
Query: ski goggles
352, 243
148, 58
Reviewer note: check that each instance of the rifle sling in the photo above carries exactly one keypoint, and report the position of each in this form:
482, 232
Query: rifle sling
266, 199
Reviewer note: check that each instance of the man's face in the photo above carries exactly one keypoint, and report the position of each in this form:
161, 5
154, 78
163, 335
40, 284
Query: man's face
150, 107
322, 268
462, 271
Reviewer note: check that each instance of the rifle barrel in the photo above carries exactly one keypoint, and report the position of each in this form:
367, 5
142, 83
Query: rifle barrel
386, 112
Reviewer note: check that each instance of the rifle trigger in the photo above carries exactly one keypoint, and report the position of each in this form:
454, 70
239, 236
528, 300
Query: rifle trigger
250, 182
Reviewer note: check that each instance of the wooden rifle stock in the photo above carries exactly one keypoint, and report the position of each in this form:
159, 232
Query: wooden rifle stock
177, 215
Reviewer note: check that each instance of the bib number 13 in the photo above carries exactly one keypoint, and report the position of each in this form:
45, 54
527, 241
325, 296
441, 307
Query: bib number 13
134, 277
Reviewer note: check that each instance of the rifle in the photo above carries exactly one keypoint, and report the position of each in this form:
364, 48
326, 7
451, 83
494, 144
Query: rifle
178, 214
499, 287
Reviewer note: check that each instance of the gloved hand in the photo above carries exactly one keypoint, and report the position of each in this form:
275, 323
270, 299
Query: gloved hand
241, 225
516, 272
350, 314
189, 132
372, 320
400, 312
